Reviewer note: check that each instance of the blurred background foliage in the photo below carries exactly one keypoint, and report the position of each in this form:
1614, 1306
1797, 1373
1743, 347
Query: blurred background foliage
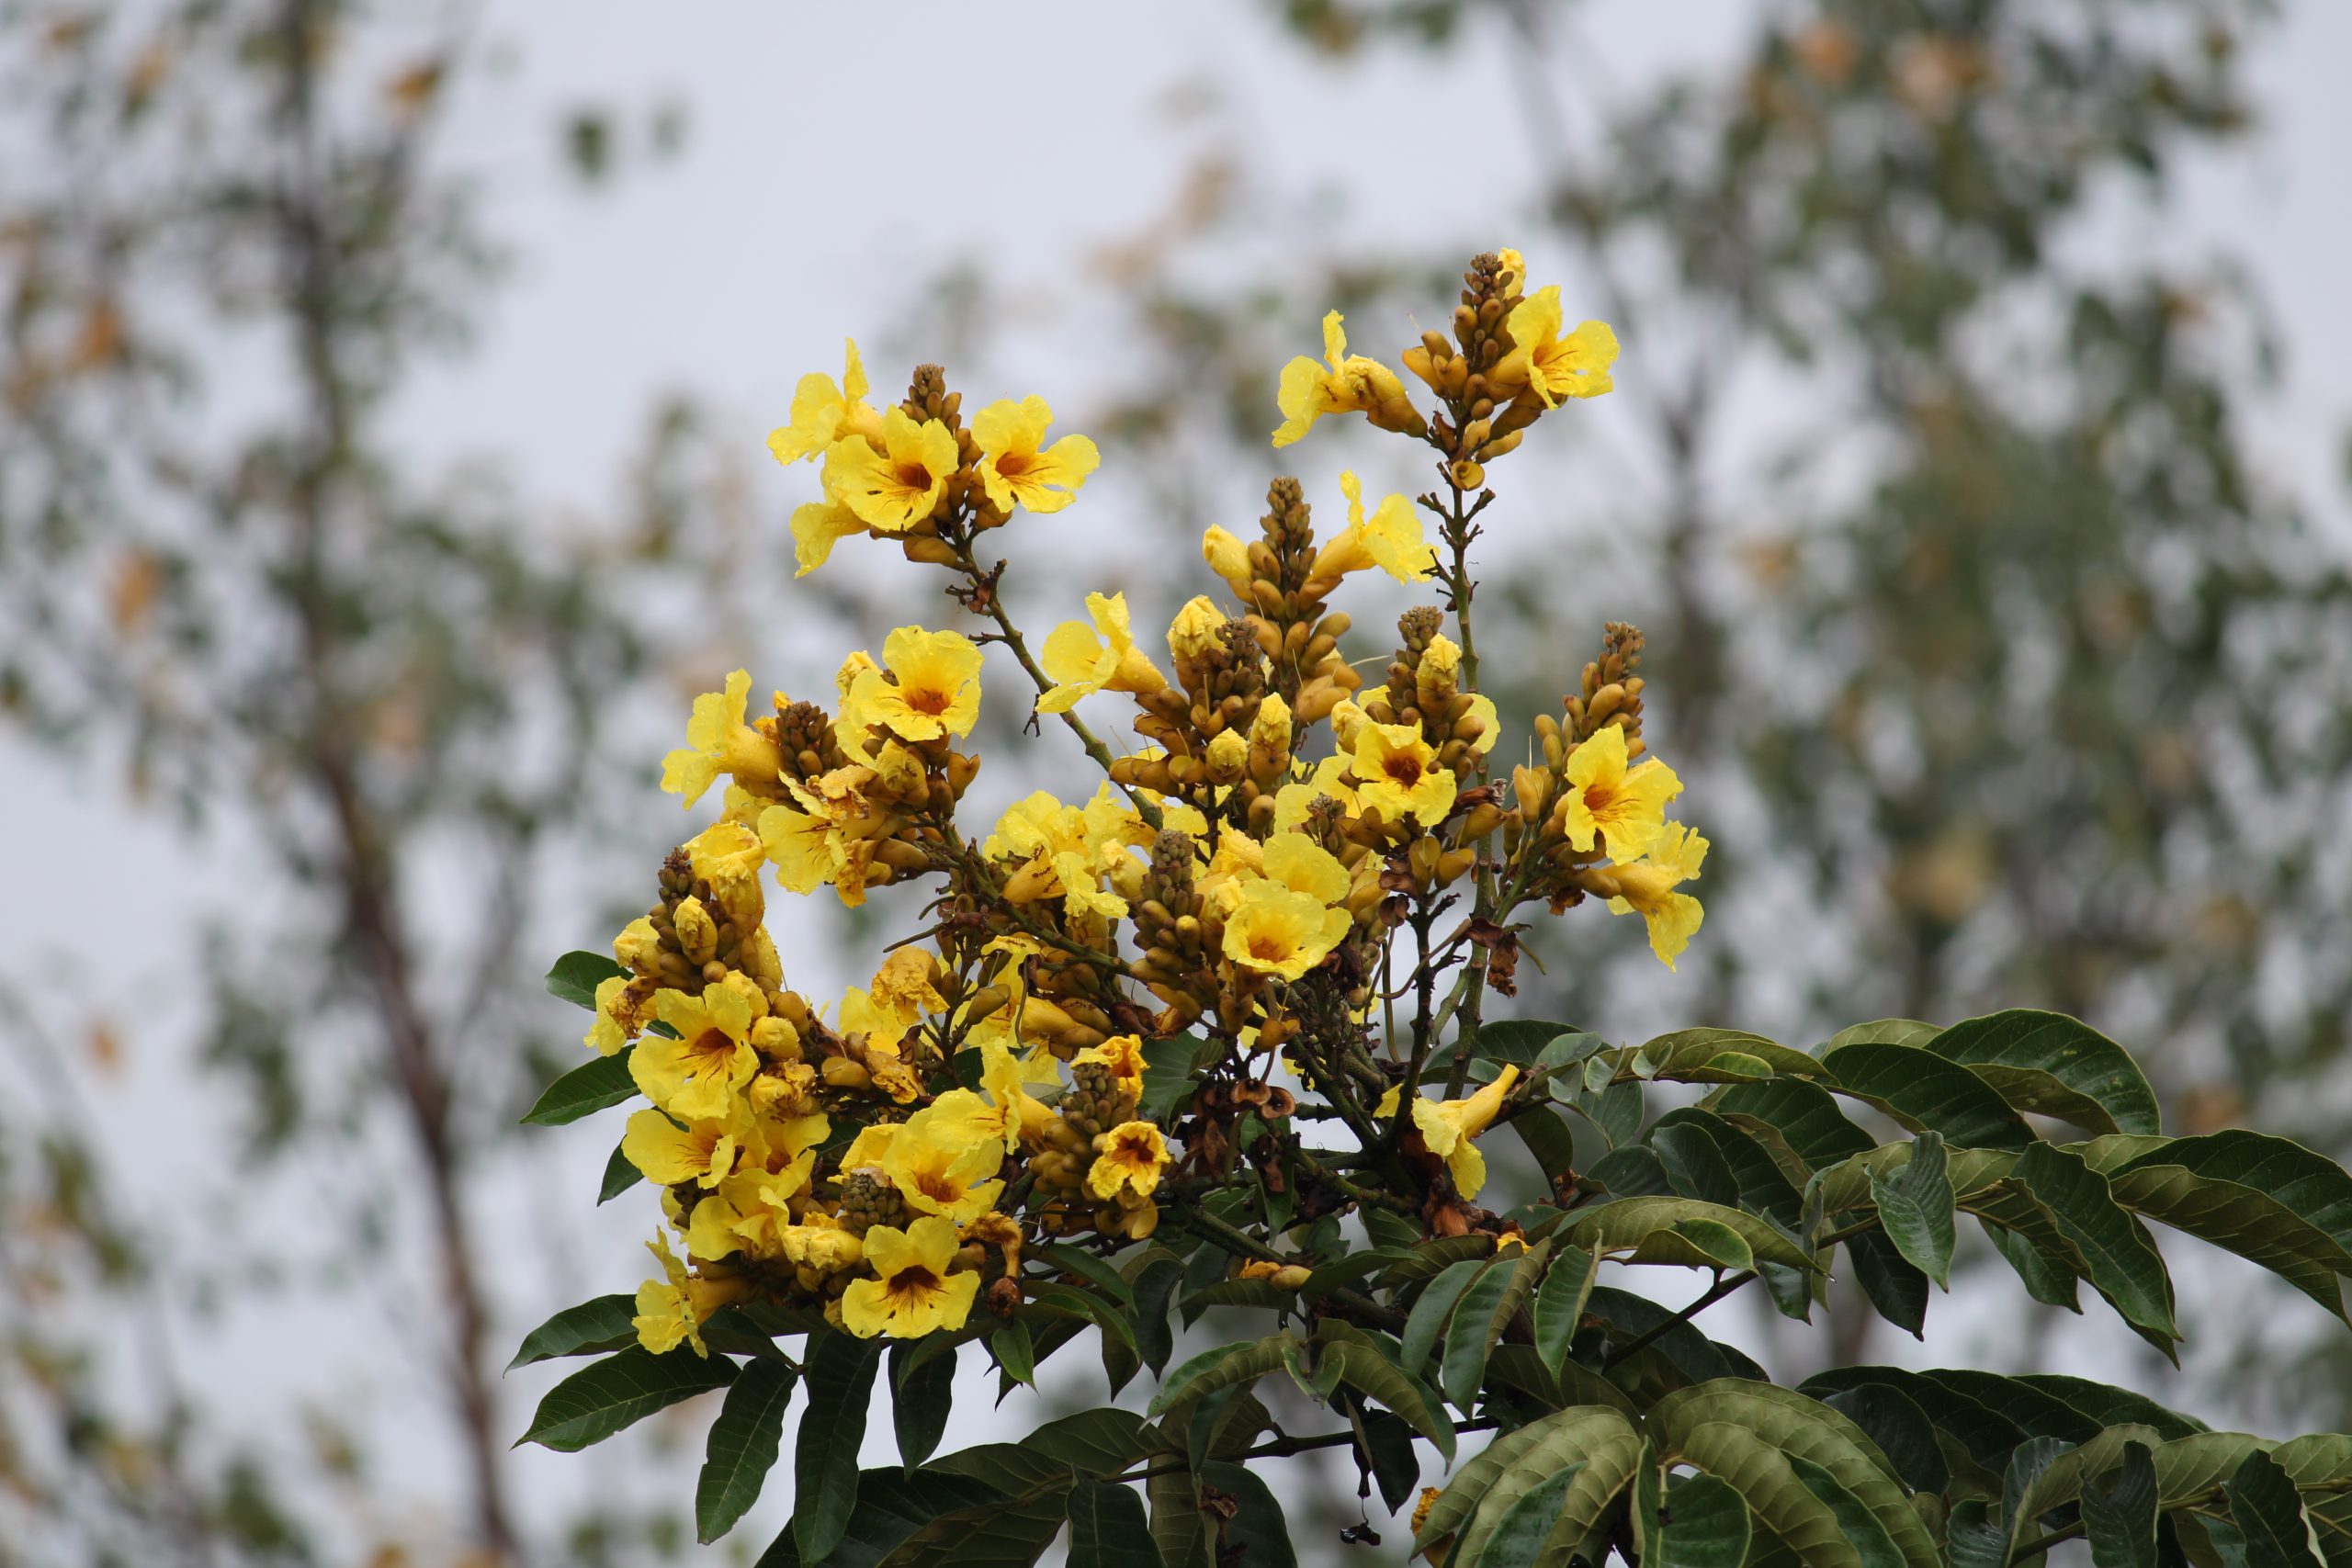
2000, 672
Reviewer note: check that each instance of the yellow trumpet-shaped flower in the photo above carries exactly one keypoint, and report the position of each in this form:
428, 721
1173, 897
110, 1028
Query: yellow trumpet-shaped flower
1195, 629
816, 527
801, 847
911, 1292
1397, 775
610, 1032
1331, 777
718, 741
1134, 1154
1391, 538
820, 1242
1012, 466
893, 487
1276, 931
1229, 559
936, 691
1626, 807
700, 1073
1447, 1127
1081, 660
822, 412
665, 1307
1347, 383
1647, 887
1301, 864
666, 1153
1576, 365
748, 1209
1123, 1055
940, 1170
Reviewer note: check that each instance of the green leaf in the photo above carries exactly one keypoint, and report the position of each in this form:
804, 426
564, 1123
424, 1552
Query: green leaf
1649, 1229
2104, 1405
1926, 1093
1895, 1288
1155, 1286
742, 1447
1737, 1429
2310, 1184
1721, 1247
584, 1091
1975, 1537
1034, 1476
1914, 1205
1483, 1490
1981, 1424
2235, 1217
1902, 1430
1862, 1530
1559, 1301
2119, 1512
1470, 1334
1015, 1351
619, 1177
1519, 1041
2024, 1496
1720, 1055
2122, 1263
1521, 1533
923, 1394
839, 1369
2048, 1278
1108, 1527
1167, 1069
605, 1396
1884, 1032
1548, 1138
1078, 1260
1364, 1367
1802, 1116
1433, 1309
892, 1505
1227, 1366
1257, 1526
1388, 1447
1694, 1164
2054, 1065
1634, 1171
1763, 1187
1703, 1524
607, 1323
1179, 1528
577, 974
1617, 1112
2268, 1512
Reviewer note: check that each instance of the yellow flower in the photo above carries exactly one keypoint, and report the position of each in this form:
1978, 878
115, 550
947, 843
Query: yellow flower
1398, 776
1195, 631
822, 412
1271, 730
1391, 539
1229, 559
1648, 886
1448, 1125
1123, 1054
1576, 365
1349, 384
1626, 807
906, 985
665, 1308
748, 1207
1330, 777
937, 690
816, 527
884, 1026
719, 741
939, 1170
894, 487
1082, 659
1134, 1154
1301, 864
911, 1292
608, 1033
1013, 469
820, 1242
1276, 931
802, 847
698, 1074
702, 1151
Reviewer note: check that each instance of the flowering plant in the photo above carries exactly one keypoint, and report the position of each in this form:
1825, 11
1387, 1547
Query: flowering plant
1214, 1040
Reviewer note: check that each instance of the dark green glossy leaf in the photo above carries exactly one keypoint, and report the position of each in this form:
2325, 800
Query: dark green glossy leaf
592, 1327
839, 1372
742, 1447
584, 1091
1518, 1535
1926, 1093
1431, 1310
892, 1505
923, 1394
1694, 1166
1167, 1069
605, 1396
1900, 1428
2268, 1513
1109, 1526
1469, 1333
1257, 1526
2119, 1512
2055, 1065
2047, 1277
1559, 1301
1914, 1207
2123, 1263
576, 975
1861, 1529
619, 1177
1518, 1041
